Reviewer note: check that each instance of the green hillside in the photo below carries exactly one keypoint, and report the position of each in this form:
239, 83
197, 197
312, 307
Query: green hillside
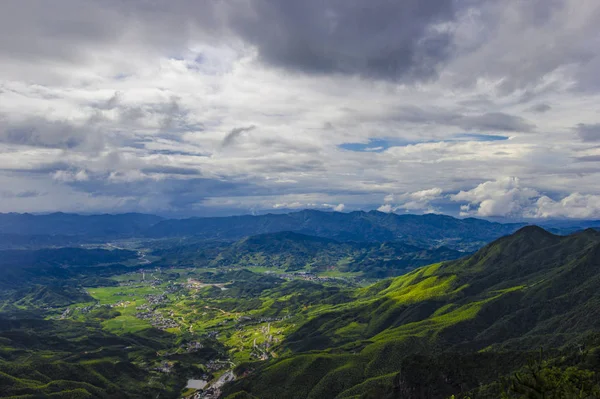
464, 324
64, 359
289, 251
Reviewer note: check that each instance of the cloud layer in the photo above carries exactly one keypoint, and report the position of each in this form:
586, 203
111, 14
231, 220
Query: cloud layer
218, 107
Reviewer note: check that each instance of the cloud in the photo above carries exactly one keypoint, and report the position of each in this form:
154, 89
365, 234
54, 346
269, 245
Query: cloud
496, 121
381, 39
386, 208
306, 205
489, 121
70, 176
589, 158
40, 132
143, 105
508, 198
588, 133
415, 201
575, 205
234, 134
540, 108
171, 170
490, 34
21, 194
503, 197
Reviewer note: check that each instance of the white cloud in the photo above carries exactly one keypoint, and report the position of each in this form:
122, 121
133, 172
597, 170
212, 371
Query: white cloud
502, 197
573, 206
70, 176
306, 205
387, 208
415, 201
508, 198
425, 195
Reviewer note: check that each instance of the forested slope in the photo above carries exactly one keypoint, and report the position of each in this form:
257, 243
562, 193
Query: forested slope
462, 323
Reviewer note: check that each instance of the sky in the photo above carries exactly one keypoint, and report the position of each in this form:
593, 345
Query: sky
216, 107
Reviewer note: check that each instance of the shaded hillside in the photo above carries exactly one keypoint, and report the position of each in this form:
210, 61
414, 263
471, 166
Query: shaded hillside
565, 227
292, 251
466, 321
44, 296
56, 266
36, 241
68, 224
64, 359
421, 230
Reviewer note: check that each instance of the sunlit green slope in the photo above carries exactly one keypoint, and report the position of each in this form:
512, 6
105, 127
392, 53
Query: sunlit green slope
460, 324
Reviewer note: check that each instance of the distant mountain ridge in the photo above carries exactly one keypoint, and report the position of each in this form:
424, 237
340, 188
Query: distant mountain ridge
425, 231
430, 230
293, 251
71, 224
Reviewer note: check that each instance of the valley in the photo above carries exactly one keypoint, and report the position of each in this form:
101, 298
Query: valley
209, 319
296, 316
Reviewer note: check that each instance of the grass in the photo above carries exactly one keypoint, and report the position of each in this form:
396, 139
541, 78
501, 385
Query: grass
359, 315
125, 324
111, 295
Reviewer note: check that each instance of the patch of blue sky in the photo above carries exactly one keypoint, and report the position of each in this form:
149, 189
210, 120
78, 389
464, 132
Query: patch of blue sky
380, 144
480, 137
374, 145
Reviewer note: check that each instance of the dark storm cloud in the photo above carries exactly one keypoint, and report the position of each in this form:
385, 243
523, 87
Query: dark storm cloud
182, 195
589, 158
540, 108
233, 135
40, 29
283, 165
398, 40
22, 194
177, 152
490, 121
376, 38
40, 169
40, 132
69, 30
282, 145
99, 185
588, 133
173, 114
168, 118
171, 170
419, 115
107, 85
496, 121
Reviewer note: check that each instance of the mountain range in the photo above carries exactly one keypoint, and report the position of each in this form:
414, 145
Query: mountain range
428, 231
290, 251
448, 329
425, 231
519, 317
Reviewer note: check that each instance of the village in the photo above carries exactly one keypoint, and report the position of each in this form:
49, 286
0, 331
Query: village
156, 309
156, 319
